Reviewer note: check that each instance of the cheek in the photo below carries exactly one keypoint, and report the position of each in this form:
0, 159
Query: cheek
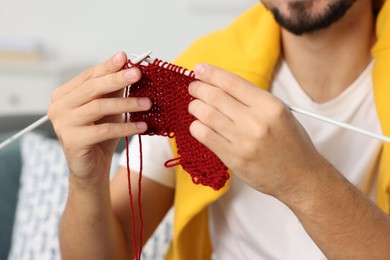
269, 4
321, 6
282, 6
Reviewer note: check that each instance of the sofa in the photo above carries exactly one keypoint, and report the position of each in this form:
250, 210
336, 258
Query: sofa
33, 191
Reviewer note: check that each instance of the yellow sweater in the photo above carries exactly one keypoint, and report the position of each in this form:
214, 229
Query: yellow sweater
250, 47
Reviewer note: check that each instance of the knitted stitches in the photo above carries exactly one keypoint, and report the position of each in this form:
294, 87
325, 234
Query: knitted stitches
167, 86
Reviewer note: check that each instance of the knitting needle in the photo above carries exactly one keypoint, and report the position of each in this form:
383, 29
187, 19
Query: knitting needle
340, 124
44, 119
163, 65
144, 57
24, 131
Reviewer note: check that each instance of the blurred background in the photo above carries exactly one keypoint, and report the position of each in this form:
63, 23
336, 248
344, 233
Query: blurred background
43, 43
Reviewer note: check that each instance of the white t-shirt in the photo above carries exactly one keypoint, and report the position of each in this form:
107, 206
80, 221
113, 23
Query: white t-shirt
246, 224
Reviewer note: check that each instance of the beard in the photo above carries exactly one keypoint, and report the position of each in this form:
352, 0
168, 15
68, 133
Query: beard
301, 21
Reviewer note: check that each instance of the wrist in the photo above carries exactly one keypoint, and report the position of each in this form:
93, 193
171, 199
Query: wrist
90, 195
83, 183
305, 192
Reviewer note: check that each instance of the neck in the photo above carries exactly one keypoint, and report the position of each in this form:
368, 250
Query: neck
326, 62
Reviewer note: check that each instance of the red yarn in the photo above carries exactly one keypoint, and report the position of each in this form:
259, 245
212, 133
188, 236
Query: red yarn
137, 252
167, 86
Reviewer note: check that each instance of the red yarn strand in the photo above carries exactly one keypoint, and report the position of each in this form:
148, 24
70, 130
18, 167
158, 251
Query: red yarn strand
141, 232
137, 253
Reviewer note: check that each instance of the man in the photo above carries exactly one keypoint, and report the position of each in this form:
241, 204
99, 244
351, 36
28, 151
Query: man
299, 189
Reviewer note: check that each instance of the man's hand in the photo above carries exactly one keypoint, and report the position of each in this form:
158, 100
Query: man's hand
252, 131
86, 114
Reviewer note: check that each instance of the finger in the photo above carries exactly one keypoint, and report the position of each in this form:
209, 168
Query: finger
99, 108
95, 134
111, 65
212, 118
231, 83
217, 98
98, 87
108, 131
211, 139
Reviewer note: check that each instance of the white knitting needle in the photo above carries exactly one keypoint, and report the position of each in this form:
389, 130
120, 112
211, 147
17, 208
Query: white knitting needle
24, 131
340, 124
166, 65
42, 120
144, 56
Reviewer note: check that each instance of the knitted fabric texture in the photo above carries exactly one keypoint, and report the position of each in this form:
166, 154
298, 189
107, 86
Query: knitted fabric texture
167, 87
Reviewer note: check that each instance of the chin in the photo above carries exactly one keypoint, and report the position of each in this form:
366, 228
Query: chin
301, 17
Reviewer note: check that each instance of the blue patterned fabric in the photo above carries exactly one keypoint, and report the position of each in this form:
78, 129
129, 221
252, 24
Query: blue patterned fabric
42, 197
10, 161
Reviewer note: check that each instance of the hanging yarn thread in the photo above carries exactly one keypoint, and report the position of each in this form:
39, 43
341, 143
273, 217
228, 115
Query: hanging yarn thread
167, 87
137, 249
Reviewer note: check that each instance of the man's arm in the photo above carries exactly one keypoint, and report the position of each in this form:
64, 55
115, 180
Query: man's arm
342, 221
86, 113
259, 139
95, 227
89, 228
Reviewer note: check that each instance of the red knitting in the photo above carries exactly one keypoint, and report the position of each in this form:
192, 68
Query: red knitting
167, 86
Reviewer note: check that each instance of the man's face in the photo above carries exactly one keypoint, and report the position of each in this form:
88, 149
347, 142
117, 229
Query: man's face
306, 16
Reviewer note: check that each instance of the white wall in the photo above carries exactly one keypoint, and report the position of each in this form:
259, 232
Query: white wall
92, 30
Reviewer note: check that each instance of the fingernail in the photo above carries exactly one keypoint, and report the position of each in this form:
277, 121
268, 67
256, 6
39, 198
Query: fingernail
189, 109
191, 87
144, 102
141, 125
199, 69
118, 58
129, 74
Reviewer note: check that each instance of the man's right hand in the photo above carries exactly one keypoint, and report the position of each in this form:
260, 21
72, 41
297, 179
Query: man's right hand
87, 112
